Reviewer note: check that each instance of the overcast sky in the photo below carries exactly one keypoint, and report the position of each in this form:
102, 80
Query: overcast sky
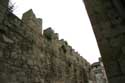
66, 17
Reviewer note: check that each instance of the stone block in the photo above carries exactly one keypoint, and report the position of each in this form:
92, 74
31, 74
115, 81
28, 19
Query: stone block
8, 40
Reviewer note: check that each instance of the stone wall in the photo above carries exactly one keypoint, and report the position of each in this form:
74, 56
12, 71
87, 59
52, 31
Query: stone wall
99, 72
3, 7
28, 56
108, 21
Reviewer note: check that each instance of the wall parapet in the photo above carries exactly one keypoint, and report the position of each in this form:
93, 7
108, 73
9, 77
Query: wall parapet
28, 56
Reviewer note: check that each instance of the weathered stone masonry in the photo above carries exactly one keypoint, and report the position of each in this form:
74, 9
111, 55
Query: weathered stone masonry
27, 56
108, 21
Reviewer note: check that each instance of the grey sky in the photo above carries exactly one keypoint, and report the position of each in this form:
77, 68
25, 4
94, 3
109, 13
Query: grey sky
69, 19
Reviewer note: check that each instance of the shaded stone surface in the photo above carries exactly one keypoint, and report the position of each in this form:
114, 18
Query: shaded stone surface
108, 22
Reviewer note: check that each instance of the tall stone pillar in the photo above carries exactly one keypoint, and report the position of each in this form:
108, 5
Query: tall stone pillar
108, 22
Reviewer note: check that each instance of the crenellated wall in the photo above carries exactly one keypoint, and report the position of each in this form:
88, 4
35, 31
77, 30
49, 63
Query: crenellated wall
28, 56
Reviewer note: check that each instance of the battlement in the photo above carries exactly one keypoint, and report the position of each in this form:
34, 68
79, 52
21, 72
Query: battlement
28, 56
30, 19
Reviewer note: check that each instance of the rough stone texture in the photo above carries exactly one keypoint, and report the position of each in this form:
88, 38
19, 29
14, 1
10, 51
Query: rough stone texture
3, 7
30, 19
108, 21
99, 72
27, 56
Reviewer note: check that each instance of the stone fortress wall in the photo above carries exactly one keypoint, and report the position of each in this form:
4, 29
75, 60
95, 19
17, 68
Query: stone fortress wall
28, 56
